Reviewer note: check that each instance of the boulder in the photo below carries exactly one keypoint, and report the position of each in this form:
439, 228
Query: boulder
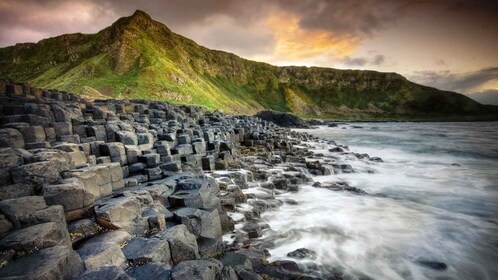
200, 223
193, 193
183, 244
237, 261
127, 138
141, 250
9, 158
36, 237
302, 253
71, 194
18, 209
39, 172
209, 269
152, 270
99, 254
105, 272
33, 134
10, 137
119, 213
58, 262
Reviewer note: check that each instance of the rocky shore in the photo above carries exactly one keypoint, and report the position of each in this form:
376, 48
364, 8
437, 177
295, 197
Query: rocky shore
118, 189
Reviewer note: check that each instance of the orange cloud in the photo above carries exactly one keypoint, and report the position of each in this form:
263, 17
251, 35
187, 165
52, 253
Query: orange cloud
297, 44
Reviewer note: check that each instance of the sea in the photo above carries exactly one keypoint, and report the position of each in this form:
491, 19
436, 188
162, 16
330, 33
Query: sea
430, 212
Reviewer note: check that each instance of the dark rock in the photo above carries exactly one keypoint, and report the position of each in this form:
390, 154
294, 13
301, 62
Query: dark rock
152, 270
339, 186
302, 253
99, 254
282, 119
208, 269
105, 272
432, 264
141, 250
36, 237
183, 244
59, 262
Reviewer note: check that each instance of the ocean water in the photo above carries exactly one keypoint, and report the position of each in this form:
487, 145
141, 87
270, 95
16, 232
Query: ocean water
431, 211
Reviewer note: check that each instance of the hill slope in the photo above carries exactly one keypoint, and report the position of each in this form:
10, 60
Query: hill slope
137, 57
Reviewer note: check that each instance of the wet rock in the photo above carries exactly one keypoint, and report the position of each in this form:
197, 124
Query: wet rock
58, 262
253, 229
339, 186
302, 253
282, 270
436, 265
210, 247
237, 261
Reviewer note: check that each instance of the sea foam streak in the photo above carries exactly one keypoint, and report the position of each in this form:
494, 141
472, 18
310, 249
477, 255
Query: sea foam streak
431, 209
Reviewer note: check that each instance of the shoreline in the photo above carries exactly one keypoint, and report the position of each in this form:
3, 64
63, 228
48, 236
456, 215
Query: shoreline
143, 189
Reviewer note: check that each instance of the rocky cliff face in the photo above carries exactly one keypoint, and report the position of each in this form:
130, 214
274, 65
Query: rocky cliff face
137, 57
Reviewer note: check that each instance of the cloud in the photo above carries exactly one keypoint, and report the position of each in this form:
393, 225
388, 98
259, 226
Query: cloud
488, 97
377, 60
466, 82
33, 20
296, 43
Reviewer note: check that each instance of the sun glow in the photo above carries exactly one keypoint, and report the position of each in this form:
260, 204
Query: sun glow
299, 45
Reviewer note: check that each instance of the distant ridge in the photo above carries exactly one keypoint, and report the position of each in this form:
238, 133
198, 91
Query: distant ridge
137, 57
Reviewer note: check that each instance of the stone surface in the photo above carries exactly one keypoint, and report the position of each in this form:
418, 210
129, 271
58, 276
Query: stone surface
143, 250
209, 269
118, 213
59, 262
105, 272
151, 270
99, 254
71, 194
36, 237
183, 244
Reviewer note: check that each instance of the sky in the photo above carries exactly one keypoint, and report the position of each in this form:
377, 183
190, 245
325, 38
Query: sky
448, 44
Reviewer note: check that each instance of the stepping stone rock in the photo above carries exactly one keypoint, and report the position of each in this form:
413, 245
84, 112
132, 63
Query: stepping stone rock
36, 237
71, 194
143, 250
99, 254
105, 272
58, 262
118, 213
182, 243
151, 270
209, 269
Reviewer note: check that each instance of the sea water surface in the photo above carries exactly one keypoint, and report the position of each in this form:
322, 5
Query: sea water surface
431, 211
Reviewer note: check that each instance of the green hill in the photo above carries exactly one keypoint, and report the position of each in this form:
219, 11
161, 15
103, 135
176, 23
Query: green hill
137, 57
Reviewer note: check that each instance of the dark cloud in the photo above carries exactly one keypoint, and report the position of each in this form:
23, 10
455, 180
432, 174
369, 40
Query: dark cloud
363, 61
465, 83
488, 97
378, 60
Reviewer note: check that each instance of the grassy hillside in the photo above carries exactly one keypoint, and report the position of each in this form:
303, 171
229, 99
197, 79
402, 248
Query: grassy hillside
138, 57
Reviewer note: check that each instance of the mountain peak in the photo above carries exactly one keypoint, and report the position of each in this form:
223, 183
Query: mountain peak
139, 14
